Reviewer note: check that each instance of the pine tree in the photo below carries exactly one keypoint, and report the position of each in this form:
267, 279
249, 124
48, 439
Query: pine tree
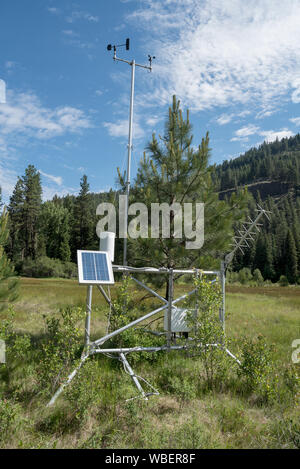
31, 209
24, 211
291, 270
174, 171
268, 271
16, 246
56, 230
83, 229
8, 286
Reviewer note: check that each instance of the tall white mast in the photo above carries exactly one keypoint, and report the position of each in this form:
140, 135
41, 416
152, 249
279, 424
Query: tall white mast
133, 64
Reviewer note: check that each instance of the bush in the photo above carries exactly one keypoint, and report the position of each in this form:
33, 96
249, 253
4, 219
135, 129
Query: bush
257, 369
46, 267
60, 349
258, 278
17, 345
9, 418
232, 277
245, 276
283, 281
172, 380
208, 330
287, 432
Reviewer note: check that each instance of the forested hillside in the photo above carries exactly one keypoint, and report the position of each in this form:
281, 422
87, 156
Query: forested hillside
276, 249
272, 175
40, 232
276, 161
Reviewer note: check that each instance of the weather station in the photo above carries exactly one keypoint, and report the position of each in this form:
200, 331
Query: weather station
96, 269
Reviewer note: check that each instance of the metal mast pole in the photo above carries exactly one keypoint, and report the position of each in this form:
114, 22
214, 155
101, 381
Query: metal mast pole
133, 64
129, 161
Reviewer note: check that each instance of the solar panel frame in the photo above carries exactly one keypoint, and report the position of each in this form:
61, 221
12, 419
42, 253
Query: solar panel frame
92, 265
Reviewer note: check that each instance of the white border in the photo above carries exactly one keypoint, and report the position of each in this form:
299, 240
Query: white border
111, 280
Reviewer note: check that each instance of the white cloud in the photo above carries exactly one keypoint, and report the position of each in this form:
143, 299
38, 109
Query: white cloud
57, 179
23, 121
2, 92
153, 120
8, 178
243, 133
213, 53
82, 15
120, 129
246, 131
23, 113
244, 113
271, 135
224, 119
53, 10
50, 192
295, 120
9, 64
69, 32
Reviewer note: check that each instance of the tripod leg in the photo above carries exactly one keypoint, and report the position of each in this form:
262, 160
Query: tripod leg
133, 376
67, 381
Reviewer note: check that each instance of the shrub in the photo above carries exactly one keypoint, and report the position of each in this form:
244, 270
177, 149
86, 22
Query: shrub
46, 267
9, 418
245, 276
257, 368
287, 432
208, 330
174, 381
283, 281
258, 278
17, 345
121, 306
61, 347
232, 277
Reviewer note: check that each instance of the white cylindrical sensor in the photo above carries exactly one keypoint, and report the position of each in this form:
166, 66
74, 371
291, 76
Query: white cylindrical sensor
107, 243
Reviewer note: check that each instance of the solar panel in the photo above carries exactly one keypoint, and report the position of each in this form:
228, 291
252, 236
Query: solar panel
94, 267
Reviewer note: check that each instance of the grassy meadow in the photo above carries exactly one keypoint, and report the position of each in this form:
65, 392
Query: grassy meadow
94, 412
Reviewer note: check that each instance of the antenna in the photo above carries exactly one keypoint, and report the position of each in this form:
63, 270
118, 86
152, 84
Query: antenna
133, 64
246, 234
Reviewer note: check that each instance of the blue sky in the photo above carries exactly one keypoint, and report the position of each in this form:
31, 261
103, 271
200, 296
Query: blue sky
234, 64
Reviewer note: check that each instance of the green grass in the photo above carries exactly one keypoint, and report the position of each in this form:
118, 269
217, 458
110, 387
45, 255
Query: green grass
93, 413
275, 317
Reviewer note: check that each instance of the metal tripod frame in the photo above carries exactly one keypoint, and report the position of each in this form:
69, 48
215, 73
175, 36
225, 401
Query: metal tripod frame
92, 348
